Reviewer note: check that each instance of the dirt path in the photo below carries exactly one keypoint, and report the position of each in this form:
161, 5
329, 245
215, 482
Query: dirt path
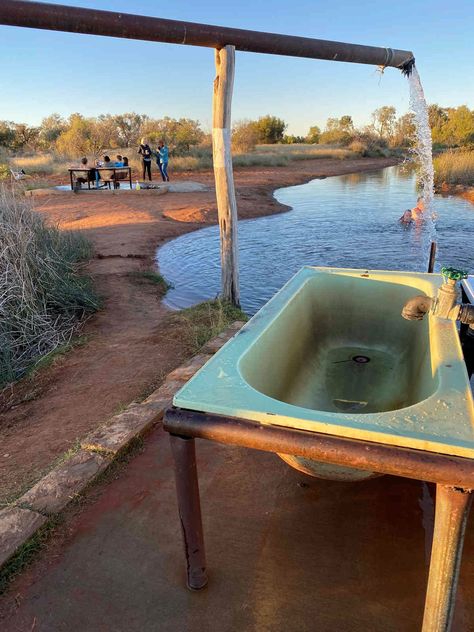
130, 344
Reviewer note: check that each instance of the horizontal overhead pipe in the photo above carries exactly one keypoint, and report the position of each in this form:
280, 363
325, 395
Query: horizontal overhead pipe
56, 17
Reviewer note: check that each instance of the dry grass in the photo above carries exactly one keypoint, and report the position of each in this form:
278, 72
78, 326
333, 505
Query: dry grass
39, 164
454, 167
198, 158
42, 296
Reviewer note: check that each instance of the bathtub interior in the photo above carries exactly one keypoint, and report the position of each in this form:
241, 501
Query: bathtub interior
341, 345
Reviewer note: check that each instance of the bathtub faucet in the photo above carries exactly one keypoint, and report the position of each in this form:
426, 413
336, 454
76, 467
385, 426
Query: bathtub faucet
445, 304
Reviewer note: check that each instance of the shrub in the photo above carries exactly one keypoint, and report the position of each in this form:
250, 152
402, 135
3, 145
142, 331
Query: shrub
4, 171
244, 137
358, 147
42, 297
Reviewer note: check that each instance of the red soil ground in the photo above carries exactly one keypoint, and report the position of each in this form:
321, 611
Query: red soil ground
131, 343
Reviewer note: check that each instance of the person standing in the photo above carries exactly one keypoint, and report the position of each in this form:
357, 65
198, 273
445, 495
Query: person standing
162, 160
145, 151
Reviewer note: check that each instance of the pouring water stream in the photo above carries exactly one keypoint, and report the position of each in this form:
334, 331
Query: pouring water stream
423, 152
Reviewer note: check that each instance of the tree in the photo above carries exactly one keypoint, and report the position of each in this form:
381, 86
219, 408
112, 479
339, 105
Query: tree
313, 135
87, 136
25, 137
384, 121
438, 117
338, 131
128, 128
451, 126
7, 134
270, 129
244, 136
346, 124
460, 126
50, 130
179, 134
291, 139
404, 131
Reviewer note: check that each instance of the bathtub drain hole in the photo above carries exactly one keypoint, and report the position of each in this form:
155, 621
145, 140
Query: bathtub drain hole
361, 359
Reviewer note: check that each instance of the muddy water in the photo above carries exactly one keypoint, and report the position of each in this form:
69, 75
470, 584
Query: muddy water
343, 221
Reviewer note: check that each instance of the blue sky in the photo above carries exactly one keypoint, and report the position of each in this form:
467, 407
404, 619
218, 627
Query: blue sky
44, 72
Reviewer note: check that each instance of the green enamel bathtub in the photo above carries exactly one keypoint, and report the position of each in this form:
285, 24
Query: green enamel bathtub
331, 353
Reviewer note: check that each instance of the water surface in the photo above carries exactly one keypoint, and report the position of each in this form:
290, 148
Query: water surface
342, 221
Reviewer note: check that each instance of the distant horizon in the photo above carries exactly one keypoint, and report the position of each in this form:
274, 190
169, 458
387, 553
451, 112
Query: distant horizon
50, 72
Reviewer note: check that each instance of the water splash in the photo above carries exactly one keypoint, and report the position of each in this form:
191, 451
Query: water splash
423, 152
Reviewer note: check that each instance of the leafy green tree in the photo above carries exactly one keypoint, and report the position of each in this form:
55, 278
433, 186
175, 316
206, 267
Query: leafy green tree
179, 134
291, 139
313, 135
460, 126
50, 130
438, 117
270, 129
338, 131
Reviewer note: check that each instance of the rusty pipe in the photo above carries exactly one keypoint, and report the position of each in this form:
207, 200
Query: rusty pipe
375, 457
56, 17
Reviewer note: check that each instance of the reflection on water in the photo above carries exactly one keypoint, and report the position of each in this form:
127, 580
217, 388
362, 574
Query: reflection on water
343, 221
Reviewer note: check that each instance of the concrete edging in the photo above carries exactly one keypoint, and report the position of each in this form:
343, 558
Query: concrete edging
52, 493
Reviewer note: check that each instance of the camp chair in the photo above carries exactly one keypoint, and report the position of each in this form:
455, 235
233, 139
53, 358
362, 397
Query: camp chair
17, 175
107, 177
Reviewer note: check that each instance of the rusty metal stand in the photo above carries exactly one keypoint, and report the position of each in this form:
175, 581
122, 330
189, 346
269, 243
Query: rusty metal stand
452, 510
189, 507
454, 478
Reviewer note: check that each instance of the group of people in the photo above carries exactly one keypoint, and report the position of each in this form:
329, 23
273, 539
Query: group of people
413, 215
93, 173
160, 154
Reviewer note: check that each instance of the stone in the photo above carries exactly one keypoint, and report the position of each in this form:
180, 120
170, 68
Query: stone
16, 527
219, 341
55, 490
186, 371
114, 436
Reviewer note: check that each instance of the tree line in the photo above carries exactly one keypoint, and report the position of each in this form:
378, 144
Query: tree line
80, 135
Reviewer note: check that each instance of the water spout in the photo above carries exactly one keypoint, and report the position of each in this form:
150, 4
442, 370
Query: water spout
407, 67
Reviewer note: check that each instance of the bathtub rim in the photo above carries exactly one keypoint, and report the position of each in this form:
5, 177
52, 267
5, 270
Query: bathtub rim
219, 387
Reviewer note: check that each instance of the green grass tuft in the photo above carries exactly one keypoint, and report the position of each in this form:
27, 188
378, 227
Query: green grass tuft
205, 321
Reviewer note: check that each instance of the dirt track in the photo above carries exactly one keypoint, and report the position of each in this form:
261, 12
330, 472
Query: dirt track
130, 345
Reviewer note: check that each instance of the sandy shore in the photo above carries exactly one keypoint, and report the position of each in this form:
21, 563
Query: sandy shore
130, 345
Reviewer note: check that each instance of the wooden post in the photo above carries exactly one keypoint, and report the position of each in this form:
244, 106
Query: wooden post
223, 176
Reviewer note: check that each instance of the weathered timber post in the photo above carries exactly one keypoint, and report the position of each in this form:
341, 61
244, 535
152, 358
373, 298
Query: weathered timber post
223, 175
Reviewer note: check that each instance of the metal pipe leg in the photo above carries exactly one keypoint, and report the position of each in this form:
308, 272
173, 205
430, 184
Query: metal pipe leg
452, 510
189, 507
